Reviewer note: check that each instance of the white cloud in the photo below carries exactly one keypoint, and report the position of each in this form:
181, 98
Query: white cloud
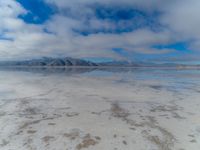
136, 3
183, 17
30, 40
184, 20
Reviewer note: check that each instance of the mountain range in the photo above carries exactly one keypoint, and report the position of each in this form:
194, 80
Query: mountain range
47, 61
72, 62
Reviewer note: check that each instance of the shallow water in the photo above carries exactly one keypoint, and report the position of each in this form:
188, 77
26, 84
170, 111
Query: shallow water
99, 109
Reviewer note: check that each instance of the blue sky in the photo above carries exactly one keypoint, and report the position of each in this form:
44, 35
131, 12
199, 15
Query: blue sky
101, 30
38, 13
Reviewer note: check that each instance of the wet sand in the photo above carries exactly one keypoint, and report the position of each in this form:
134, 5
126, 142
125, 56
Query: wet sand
151, 110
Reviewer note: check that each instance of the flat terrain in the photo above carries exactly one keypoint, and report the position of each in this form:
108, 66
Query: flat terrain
100, 110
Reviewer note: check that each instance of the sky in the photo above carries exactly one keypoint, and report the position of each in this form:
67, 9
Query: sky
101, 30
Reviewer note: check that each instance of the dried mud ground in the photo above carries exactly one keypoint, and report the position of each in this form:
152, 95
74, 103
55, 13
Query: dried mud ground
89, 112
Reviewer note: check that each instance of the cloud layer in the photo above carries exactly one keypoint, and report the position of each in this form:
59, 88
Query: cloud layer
96, 28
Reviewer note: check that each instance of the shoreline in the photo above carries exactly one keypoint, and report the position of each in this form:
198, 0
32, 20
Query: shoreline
105, 67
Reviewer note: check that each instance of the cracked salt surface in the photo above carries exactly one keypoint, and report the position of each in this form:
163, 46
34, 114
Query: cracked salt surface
126, 110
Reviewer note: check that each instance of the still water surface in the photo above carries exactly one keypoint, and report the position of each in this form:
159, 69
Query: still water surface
99, 109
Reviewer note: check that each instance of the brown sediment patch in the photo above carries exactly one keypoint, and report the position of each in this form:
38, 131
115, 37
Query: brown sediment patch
64, 108
132, 129
86, 139
46, 139
172, 109
74, 134
24, 102
177, 116
31, 111
28, 143
118, 112
31, 131
164, 108
72, 114
165, 140
87, 142
26, 124
152, 119
156, 140
51, 124
193, 141
98, 113
124, 142
191, 135
97, 138
19, 132
164, 115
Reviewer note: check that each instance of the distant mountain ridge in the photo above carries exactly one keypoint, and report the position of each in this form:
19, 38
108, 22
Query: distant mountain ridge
47, 61
71, 62
66, 61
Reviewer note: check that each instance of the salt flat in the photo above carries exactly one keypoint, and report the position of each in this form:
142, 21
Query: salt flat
142, 109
